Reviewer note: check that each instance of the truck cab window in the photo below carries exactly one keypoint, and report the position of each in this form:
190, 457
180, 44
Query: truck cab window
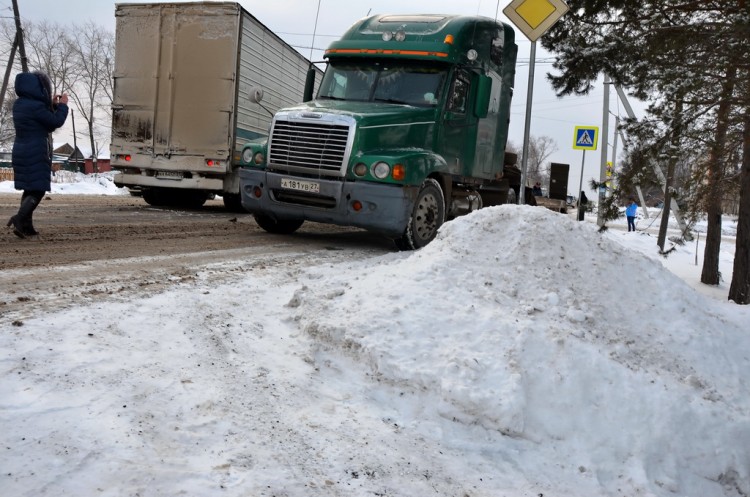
459, 93
393, 82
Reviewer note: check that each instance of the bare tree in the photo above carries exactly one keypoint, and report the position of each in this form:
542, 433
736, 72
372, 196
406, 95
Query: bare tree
540, 149
48, 49
93, 58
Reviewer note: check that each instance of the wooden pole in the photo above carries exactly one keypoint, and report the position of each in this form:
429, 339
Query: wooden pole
19, 37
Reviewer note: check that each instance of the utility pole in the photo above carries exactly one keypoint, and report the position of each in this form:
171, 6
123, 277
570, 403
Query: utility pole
603, 161
659, 174
19, 37
17, 45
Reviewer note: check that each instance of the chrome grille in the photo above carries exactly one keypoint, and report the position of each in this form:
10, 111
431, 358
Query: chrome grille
316, 147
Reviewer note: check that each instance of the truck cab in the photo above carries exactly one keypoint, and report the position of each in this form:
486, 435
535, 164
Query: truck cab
408, 129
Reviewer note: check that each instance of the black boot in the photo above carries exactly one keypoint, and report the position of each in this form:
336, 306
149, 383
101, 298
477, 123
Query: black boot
17, 227
21, 222
28, 228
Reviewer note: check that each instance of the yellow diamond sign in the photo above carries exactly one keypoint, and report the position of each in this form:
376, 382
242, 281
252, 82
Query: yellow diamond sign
535, 17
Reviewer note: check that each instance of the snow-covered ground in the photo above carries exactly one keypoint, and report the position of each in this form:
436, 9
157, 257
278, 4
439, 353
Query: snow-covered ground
520, 354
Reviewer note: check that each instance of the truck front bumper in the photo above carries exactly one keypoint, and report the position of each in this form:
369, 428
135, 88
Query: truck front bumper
384, 208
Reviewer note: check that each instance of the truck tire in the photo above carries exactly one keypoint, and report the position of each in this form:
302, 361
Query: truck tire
278, 226
233, 202
155, 197
190, 199
426, 218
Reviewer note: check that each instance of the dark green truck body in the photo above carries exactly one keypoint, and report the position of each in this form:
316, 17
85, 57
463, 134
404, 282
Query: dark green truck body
408, 129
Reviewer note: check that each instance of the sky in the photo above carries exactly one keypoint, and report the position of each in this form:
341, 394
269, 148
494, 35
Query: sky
519, 354
294, 21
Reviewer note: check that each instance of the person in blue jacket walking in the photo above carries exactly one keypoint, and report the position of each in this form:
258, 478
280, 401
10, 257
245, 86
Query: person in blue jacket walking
36, 114
630, 212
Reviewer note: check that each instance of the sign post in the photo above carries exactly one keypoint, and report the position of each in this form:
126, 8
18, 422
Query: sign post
584, 138
533, 18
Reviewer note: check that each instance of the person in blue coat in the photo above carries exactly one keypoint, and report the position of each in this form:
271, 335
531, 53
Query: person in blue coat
36, 114
630, 212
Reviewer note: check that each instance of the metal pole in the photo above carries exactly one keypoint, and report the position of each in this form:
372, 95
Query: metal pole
580, 185
75, 144
614, 151
527, 125
603, 162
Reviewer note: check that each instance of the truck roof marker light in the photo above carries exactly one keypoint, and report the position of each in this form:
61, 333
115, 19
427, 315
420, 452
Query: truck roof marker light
448, 39
372, 51
399, 172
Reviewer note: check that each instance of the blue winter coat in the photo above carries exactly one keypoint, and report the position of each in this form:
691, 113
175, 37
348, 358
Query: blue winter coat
34, 120
631, 210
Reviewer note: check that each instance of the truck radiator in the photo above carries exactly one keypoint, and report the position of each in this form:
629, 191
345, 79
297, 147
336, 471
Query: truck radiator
316, 148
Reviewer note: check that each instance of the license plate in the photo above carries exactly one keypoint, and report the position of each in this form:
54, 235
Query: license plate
302, 186
169, 174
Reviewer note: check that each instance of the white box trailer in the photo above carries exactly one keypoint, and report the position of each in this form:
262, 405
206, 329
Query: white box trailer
184, 84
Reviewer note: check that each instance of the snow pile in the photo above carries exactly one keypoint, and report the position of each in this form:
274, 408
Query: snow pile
521, 353
75, 183
527, 323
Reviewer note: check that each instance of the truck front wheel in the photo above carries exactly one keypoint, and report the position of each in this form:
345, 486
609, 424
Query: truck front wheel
426, 217
278, 226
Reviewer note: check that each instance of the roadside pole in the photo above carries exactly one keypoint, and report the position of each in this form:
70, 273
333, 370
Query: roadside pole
533, 18
584, 138
580, 186
603, 161
527, 126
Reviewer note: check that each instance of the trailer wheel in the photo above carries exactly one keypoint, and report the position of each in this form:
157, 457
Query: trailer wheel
278, 226
426, 218
155, 197
191, 199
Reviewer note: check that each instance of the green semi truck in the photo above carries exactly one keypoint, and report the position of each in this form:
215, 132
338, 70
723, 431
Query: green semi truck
408, 129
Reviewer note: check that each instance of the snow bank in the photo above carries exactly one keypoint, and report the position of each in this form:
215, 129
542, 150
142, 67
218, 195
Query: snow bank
525, 322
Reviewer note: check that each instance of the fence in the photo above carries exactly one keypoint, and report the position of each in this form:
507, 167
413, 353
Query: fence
6, 174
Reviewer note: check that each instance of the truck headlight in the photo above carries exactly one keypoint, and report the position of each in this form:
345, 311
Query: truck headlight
381, 170
247, 155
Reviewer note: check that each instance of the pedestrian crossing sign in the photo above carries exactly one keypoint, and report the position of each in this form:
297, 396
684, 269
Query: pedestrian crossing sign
585, 137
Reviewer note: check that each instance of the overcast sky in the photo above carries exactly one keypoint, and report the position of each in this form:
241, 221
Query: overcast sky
294, 21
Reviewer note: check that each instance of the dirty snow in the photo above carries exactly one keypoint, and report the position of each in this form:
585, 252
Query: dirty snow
521, 353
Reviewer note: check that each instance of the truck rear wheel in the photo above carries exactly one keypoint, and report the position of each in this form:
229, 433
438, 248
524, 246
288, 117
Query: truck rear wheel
278, 226
426, 218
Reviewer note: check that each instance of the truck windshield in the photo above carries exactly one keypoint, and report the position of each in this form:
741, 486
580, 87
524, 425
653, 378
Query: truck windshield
392, 82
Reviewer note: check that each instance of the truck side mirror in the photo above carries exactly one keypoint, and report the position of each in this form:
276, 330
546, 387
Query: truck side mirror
482, 102
309, 84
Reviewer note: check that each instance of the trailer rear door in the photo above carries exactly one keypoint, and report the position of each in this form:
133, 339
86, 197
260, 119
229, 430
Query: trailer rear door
175, 78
